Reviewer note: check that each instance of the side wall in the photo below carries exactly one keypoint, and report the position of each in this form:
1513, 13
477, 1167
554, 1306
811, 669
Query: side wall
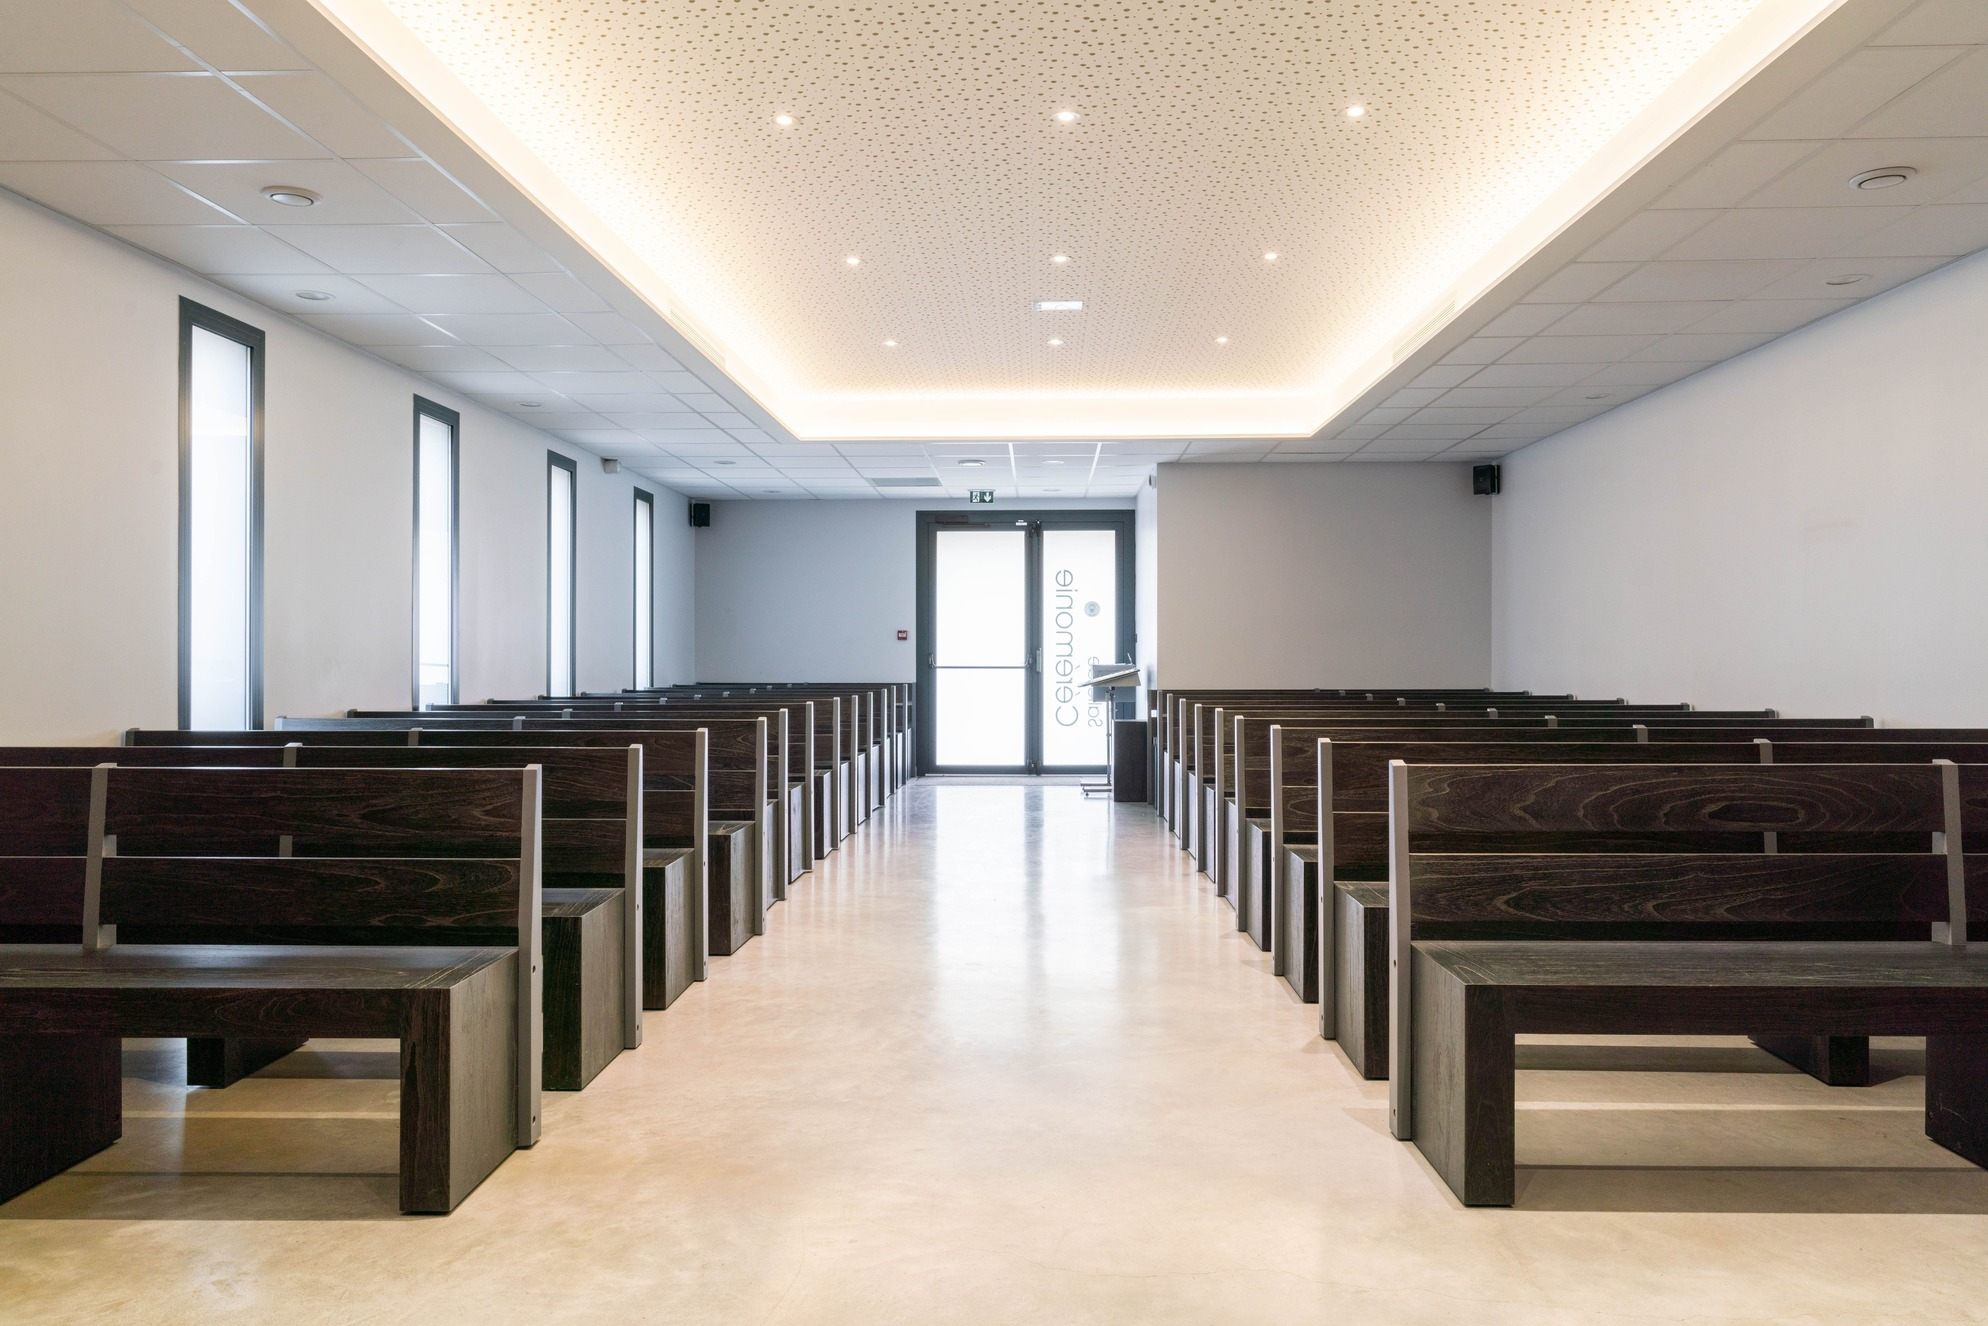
1323, 575
1800, 527
832, 583
89, 355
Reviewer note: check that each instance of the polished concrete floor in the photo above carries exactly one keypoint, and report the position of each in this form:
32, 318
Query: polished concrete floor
1003, 1059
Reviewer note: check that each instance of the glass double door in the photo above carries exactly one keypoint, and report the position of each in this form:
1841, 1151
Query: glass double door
1015, 609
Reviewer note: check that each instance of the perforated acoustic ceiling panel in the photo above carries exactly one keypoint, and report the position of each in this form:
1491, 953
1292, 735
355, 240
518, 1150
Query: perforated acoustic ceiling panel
925, 143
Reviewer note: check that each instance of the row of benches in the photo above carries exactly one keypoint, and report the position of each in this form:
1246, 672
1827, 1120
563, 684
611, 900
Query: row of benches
502, 888
1576, 866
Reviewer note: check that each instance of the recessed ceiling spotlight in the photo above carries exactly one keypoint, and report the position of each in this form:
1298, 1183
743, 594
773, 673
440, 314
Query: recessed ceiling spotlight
784, 120
1052, 490
315, 296
1060, 258
1356, 112
771, 492
1270, 255
529, 405
726, 462
1059, 306
1885, 177
1849, 278
1067, 117
1052, 462
972, 464
890, 345
289, 195
1056, 340
1597, 395
853, 261
1221, 340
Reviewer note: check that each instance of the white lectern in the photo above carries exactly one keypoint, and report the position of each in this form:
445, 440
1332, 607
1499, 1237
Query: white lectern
1106, 678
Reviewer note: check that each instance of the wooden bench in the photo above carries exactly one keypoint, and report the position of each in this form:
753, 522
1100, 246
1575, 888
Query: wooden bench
1461, 1002
465, 1011
1350, 953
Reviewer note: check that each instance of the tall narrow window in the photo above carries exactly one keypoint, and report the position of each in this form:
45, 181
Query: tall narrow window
220, 520
645, 592
561, 484
435, 538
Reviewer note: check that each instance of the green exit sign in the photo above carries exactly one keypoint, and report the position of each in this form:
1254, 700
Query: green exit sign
980, 495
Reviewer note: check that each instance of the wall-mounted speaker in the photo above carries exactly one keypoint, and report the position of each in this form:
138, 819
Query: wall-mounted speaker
1485, 480
700, 515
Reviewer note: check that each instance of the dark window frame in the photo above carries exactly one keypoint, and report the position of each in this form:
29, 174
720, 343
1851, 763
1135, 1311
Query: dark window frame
643, 498
191, 316
425, 408
555, 461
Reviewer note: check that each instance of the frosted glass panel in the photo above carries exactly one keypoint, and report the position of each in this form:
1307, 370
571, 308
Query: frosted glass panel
435, 661
559, 582
220, 456
981, 714
645, 563
981, 595
1079, 631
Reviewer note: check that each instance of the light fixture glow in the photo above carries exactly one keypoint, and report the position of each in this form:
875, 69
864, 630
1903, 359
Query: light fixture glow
784, 120
853, 261
890, 345
1056, 340
1067, 117
1052, 462
1221, 340
1060, 259
315, 296
1270, 255
1355, 112
972, 464
289, 195
1059, 306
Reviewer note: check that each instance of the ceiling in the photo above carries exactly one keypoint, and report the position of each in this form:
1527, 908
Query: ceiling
161, 121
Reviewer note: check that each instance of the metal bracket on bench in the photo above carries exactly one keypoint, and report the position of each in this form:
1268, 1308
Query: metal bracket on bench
286, 844
96, 935
414, 736
1328, 902
631, 908
1770, 842
531, 978
1642, 731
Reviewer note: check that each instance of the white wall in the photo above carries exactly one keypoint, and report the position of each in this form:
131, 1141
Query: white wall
1323, 575
89, 334
829, 584
1804, 527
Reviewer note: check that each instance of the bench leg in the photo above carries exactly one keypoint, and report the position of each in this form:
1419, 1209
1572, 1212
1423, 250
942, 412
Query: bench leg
458, 1088
1463, 1094
61, 1102
669, 934
1360, 994
1835, 1061
1957, 1095
222, 1061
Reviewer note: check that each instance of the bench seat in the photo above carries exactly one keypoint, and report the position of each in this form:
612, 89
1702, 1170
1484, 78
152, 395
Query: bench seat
1470, 998
454, 1011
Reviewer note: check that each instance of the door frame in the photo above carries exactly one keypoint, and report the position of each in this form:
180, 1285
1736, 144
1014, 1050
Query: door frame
1119, 520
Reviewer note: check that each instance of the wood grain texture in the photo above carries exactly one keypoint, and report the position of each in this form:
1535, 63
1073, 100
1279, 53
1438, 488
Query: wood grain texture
669, 940
583, 963
61, 1102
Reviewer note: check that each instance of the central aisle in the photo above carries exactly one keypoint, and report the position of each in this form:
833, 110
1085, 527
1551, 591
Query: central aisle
1004, 1059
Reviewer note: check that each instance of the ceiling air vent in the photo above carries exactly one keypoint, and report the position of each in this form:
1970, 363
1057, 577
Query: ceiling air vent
905, 483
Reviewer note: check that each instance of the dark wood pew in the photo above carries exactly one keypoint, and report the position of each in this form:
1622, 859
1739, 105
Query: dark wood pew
1331, 955
451, 970
1460, 1002
604, 958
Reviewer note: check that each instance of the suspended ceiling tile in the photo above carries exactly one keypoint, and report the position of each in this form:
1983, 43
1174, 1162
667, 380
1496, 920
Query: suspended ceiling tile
492, 329
1946, 102
379, 329
443, 358
1777, 316
1531, 375
1785, 232
319, 107
1943, 164
1811, 280
1864, 81
1577, 349
1679, 281
1483, 350
165, 117
427, 190
219, 33
486, 293
1648, 234
281, 291
28, 133
1734, 173
383, 250
345, 197
1694, 347
1630, 319
561, 293
1578, 282
560, 358
221, 250
611, 329
1939, 22
77, 36
107, 193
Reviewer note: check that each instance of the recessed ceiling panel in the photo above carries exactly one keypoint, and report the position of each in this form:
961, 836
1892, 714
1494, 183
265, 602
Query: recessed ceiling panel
857, 206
